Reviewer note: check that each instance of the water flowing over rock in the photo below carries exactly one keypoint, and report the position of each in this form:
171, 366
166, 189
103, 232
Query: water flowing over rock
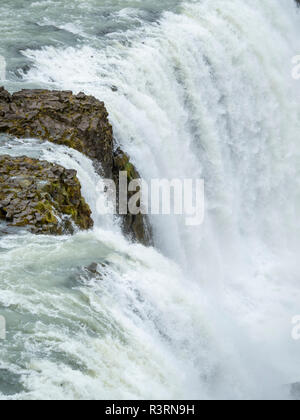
77, 121
42, 196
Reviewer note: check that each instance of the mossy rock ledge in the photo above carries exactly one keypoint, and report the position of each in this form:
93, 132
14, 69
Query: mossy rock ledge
42, 197
77, 121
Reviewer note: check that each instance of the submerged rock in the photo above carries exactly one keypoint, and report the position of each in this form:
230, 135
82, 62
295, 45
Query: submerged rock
77, 121
44, 197
93, 268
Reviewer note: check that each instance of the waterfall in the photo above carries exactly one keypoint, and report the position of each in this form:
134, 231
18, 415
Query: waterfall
2, 69
206, 92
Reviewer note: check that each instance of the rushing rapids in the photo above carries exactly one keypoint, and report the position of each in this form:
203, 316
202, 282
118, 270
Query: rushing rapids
196, 89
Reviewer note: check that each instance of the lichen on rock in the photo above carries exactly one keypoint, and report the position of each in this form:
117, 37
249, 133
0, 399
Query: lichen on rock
77, 121
134, 225
41, 196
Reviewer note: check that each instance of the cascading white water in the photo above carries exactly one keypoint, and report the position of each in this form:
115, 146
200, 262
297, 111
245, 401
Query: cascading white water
2, 69
206, 93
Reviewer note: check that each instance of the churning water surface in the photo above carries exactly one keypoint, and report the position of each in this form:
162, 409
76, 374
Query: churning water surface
201, 89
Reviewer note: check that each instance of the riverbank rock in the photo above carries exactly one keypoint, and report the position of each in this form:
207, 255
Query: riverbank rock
135, 226
77, 121
41, 196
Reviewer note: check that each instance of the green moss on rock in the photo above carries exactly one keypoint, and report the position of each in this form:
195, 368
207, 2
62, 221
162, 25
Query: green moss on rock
136, 226
42, 196
76, 121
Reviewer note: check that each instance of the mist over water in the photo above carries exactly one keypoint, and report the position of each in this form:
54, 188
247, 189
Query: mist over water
199, 89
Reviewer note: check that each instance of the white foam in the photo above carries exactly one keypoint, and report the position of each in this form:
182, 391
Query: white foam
2, 68
208, 92
70, 159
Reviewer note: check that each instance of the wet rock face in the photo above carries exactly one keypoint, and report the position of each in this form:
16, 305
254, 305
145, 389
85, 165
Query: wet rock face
43, 197
77, 121
80, 122
136, 226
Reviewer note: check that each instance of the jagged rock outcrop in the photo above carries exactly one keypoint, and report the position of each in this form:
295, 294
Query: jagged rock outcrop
44, 197
134, 225
77, 121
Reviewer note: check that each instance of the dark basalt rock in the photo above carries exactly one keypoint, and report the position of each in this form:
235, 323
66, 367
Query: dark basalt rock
43, 197
93, 268
77, 121
135, 226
